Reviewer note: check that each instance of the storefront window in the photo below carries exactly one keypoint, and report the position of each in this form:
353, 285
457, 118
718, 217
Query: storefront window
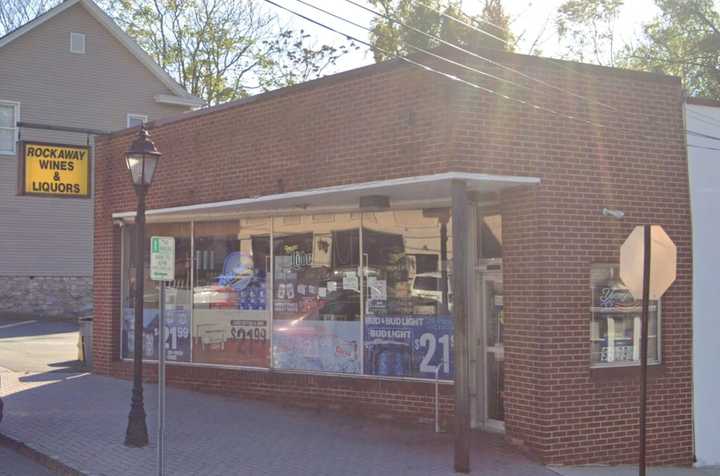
408, 330
316, 321
177, 296
231, 311
615, 328
344, 292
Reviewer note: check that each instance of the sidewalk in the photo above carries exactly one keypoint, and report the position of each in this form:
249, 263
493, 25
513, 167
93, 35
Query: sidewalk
633, 471
80, 420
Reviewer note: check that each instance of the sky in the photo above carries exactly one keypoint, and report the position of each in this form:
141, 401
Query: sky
532, 18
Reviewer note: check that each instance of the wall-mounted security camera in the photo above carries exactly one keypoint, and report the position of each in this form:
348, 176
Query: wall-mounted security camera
616, 214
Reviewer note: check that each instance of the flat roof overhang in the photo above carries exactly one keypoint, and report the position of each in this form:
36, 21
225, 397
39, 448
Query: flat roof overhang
418, 191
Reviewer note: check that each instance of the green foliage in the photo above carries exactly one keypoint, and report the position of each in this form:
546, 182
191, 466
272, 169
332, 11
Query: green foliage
435, 18
220, 50
587, 27
683, 40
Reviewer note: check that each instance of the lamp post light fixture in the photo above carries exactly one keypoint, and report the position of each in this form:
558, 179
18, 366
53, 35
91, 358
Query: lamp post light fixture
141, 160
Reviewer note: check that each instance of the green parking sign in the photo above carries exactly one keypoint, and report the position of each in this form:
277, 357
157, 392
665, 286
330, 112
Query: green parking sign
162, 258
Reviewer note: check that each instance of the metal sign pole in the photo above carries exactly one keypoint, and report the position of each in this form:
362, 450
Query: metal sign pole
161, 383
647, 273
644, 344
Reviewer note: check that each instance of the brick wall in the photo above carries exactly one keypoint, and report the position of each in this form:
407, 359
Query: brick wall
390, 121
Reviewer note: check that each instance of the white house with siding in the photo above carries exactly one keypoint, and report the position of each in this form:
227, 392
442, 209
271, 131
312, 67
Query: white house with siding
703, 139
71, 67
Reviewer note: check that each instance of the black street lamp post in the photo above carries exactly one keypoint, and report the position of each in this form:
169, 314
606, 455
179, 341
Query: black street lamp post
141, 160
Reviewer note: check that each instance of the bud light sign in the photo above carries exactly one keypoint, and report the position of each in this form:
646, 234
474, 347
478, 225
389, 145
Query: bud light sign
409, 346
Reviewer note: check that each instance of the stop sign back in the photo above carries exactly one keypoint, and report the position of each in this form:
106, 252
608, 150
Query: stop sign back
663, 262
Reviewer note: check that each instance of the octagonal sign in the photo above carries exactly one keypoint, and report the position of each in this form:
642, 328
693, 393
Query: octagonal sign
663, 262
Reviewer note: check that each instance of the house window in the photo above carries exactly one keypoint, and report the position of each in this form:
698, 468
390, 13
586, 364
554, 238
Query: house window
9, 116
615, 327
77, 43
134, 120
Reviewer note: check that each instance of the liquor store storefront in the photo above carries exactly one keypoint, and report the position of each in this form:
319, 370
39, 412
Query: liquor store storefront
363, 291
330, 236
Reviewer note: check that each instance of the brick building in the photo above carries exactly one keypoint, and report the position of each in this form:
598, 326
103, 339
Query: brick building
314, 251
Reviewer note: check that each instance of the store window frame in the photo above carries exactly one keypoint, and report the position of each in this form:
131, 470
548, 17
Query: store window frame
627, 364
15, 105
126, 237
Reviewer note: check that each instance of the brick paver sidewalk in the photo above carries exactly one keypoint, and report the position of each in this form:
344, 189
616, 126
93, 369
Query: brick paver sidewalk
80, 420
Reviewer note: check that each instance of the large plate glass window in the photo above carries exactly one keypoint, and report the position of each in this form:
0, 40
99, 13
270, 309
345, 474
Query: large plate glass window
316, 321
177, 296
8, 126
615, 327
231, 311
408, 327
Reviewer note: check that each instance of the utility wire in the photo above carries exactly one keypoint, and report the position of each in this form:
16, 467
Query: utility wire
559, 63
466, 24
704, 136
454, 77
420, 50
440, 73
703, 147
705, 118
475, 55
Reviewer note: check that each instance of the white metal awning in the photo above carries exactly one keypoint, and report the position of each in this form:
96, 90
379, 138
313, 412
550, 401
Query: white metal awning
419, 191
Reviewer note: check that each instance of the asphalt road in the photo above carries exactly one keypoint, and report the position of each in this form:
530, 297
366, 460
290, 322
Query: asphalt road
38, 346
30, 346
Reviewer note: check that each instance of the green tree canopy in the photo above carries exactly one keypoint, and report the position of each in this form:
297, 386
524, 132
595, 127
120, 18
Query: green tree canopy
683, 40
219, 50
435, 17
587, 29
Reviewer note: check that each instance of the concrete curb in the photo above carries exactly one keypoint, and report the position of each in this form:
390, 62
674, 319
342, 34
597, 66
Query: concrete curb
49, 462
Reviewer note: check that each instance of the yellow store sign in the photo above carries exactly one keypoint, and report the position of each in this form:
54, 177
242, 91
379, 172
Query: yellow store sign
54, 170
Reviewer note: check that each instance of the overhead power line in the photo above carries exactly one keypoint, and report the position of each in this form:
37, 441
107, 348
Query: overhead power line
703, 147
705, 118
440, 73
475, 20
468, 25
477, 56
458, 79
704, 136
420, 50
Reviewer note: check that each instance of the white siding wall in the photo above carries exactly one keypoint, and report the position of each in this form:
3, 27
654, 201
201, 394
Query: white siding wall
53, 237
704, 170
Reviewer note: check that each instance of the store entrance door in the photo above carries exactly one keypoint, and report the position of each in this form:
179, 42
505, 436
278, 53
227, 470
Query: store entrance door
494, 350
487, 366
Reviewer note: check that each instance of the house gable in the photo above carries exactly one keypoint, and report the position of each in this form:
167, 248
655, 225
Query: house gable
178, 95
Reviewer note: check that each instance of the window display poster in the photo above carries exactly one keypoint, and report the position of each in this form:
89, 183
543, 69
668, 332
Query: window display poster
177, 334
248, 283
409, 346
323, 346
231, 337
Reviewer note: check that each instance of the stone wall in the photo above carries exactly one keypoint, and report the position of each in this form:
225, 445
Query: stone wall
46, 296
